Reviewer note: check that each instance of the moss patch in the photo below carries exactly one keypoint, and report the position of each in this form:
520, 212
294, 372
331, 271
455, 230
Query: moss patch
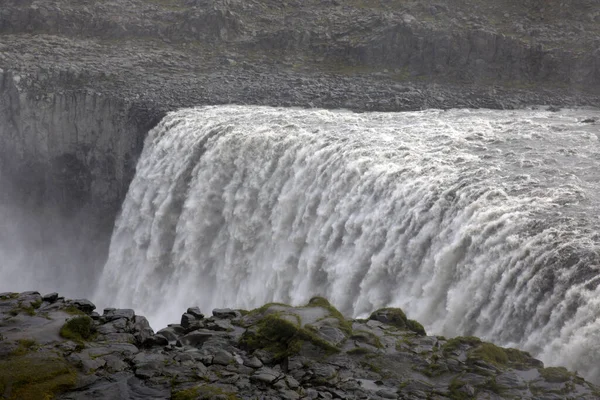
397, 318
345, 325
33, 378
555, 374
281, 337
25, 346
455, 391
73, 310
367, 337
490, 353
416, 327
20, 308
78, 328
206, 392
359, 351
455, 343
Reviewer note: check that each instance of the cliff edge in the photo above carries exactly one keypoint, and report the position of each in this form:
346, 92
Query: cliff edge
57, 348
82, 82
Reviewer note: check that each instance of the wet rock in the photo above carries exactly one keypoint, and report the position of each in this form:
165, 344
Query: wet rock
155, 340
187, 320
84, 305
114, 314
169, 334
217, 365
196, 338
226, 313
142, 330
50, 297
195, 311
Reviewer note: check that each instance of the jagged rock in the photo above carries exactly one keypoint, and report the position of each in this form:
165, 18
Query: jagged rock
226, 313
289, 395
50, 297
187, 320
265, 375
155, 340
84, 305
169, 334
195, 311
222, 357
115, 314
253, 362
222, 364
196, 338
142, 330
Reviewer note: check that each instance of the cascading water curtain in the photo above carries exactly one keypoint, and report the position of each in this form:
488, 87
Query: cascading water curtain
474, 222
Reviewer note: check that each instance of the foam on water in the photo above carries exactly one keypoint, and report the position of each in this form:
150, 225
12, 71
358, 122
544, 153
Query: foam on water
474, 222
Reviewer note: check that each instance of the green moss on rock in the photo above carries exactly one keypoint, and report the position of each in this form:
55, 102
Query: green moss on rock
344, 324
73, 310
281, 337
359, 351
397, 318
205, 392
416, 327
456, 392
34, 377
555, 374
25, 346
455, 343
78, 328
490, 353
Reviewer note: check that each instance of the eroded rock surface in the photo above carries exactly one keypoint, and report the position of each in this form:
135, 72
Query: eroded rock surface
273, 352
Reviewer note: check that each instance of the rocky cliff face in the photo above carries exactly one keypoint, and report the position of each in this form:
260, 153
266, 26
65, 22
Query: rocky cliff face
72, 148
66, 159
82, 82
50, 346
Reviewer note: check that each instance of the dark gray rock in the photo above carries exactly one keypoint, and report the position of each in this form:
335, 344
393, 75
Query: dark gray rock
253, 362
222, 357
169, 334
195, 311
187, 320
50, 297
265, 375
84, 305
226, 313
142, 330
114, 314
155, 340
387, 393
196, 338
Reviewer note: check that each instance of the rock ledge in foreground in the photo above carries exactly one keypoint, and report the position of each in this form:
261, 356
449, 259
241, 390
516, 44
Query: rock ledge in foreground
51, 347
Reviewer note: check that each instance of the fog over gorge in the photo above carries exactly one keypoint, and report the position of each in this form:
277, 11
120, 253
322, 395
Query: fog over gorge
231, 199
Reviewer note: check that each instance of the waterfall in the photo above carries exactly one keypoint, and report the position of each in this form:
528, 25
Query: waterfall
475, 222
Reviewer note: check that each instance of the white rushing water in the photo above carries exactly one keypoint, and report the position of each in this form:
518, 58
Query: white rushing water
474, 222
